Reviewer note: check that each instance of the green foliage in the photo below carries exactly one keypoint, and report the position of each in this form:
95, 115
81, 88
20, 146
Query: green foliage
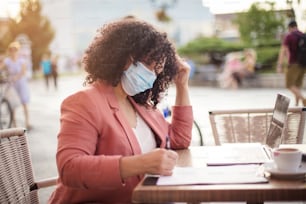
37, 27
268, 55
204, 45
200, 49
259, 25
203, 50
258, 29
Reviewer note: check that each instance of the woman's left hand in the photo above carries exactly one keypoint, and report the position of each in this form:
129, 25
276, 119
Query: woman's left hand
182, 76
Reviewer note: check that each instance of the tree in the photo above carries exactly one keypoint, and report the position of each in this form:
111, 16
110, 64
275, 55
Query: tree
9, 35
259, 26
37, 27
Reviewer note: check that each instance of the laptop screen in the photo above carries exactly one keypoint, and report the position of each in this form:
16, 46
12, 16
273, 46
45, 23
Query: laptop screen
278, 121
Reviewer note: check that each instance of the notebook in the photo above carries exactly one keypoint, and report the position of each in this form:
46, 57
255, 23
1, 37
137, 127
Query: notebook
253, 153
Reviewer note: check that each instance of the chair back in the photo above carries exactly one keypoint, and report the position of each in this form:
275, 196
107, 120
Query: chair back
252, 125
16, 175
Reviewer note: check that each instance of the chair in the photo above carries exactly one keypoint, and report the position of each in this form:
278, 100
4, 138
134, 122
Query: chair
197, 136
197, 133
252, 125
17, 184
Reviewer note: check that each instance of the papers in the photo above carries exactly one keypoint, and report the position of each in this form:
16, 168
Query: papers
229, 154
236, 174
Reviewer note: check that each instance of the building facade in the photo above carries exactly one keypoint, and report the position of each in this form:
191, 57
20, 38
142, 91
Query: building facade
76, 21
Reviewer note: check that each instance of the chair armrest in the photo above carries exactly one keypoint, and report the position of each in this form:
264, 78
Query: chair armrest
46, 182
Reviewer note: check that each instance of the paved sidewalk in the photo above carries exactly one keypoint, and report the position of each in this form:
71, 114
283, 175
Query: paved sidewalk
44, 114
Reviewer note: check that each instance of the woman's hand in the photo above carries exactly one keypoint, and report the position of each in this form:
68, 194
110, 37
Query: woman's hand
182, 76
157, 162
160, 162
181, 82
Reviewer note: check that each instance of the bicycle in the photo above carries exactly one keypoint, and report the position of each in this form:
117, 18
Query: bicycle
196, 130
6, 110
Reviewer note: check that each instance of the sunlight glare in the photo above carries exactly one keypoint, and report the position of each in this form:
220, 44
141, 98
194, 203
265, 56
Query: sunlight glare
9, 8
229, 6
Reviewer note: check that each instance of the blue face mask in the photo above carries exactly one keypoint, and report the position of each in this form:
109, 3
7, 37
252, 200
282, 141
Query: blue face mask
137, 78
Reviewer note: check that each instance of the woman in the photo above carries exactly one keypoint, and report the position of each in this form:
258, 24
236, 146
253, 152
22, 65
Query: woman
111, 133
17, 69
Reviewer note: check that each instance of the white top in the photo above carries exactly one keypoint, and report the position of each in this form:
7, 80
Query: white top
144, 135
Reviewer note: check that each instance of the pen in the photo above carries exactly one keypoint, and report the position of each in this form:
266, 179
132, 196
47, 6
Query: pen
168, 142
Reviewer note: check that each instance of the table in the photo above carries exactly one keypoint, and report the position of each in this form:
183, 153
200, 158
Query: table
275, 190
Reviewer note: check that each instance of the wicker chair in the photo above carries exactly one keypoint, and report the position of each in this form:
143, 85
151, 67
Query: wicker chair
252, 125
17, 183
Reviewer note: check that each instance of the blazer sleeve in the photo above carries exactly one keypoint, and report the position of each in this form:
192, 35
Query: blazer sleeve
180, 129
78, 166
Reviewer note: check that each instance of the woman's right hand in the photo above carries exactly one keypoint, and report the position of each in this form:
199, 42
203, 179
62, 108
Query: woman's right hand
160, 162
157, 162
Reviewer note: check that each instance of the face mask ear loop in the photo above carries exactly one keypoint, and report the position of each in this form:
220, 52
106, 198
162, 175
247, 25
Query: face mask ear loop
133, 60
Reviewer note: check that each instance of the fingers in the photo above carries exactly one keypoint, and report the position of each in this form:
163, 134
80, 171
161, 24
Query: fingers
168, 163
161, 162
182, 63
172, 155
184, 68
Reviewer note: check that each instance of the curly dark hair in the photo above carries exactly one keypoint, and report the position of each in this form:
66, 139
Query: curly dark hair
117, 42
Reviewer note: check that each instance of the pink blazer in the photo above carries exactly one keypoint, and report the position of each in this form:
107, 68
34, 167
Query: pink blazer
94, 135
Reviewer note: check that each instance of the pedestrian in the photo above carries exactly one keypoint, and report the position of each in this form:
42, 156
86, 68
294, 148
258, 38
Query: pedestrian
112, 133
54, 69
294, 72
45, 65
17, 76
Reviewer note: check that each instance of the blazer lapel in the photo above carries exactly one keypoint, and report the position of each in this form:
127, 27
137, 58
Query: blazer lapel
113, 104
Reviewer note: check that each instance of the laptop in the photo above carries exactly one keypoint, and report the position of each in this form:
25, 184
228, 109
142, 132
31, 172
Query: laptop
278, 121
253, 153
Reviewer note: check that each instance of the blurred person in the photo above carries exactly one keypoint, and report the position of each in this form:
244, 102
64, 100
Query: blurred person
54, 69
111, 132
294, 73
17, 76
46, 69
247, 68
232, 64
238, 65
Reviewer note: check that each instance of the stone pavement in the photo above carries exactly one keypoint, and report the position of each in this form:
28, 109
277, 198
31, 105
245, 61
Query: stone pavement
45, 105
